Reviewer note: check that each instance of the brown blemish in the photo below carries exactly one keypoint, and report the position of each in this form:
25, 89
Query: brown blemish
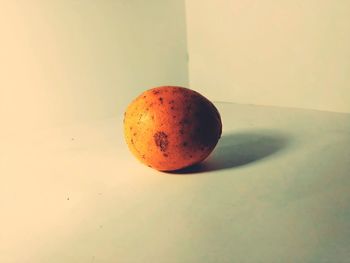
143, 156
184, 121
135, 133
183, 91
172, 107
165, 155
174, 116
161, 100
155, 92
184, 144
181, 131
161, 140
152, 117
144, 97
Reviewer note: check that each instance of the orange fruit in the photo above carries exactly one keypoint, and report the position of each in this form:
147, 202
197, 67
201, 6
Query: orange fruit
170, 128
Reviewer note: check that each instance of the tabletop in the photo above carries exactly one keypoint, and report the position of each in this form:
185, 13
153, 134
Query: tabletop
275, 189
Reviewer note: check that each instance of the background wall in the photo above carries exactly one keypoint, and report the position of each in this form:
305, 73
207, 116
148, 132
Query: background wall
284, 53
63, 61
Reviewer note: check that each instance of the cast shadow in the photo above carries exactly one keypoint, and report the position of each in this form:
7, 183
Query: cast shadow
239, 149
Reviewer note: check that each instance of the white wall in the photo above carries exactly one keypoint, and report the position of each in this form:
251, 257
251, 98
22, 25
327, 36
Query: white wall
63, 61
284, 53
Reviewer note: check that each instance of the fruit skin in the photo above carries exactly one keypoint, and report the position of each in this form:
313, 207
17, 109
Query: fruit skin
170, 128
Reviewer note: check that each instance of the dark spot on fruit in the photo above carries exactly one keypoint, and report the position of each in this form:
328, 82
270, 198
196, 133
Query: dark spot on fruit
135, 133
165, 155
161, 100
149, 165
144, 97
161, 140
191, 156
147, 109
143, 156
184, 144
171, 102
151, 104
155, 92
152, 117
132, 141
130, 128
172, 107
181, 131
174, 116
184, 121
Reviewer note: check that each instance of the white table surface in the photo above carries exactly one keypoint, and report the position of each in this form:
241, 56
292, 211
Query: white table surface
276, 189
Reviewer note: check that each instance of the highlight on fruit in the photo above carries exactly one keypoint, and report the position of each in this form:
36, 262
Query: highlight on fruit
170, 128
